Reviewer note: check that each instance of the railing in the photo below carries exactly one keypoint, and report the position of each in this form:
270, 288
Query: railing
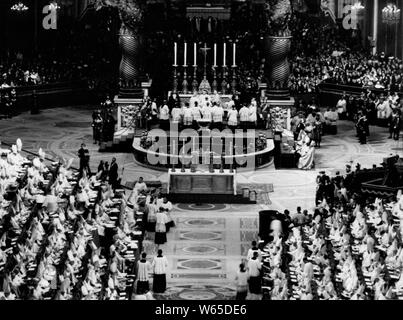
334, 87
58, 94
21, 90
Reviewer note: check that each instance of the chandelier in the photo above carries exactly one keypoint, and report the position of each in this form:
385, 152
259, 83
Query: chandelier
391, 14
19, 6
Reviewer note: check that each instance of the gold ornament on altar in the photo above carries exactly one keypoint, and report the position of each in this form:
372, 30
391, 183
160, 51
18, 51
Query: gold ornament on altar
278, 118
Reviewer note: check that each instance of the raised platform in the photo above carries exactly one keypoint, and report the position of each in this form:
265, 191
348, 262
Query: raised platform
124, 135
260, 159
122, 141
210, 198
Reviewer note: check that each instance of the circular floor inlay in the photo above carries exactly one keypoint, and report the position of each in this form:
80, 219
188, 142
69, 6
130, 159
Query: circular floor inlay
200, 222
197, 292
202, 206
197, 295
199, 264
200, 235
200, 249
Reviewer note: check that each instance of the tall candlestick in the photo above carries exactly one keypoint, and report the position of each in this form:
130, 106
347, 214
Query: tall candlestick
234, 54
215, 55
173, 154
195, 54
231, 149
175, 54
185, 55
225, 53
183, 156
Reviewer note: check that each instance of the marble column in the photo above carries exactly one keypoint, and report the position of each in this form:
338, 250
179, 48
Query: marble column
277, 48
130, 40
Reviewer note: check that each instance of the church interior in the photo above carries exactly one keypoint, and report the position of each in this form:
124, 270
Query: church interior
201, 150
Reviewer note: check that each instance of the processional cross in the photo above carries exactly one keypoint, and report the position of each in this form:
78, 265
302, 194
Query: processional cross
204, 50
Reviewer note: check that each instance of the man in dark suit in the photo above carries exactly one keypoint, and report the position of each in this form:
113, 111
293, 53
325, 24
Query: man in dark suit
320, 186
84, 156
394, 125
113, 174
362, 128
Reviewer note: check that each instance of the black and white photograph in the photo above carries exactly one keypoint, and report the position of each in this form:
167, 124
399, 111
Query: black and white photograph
219, 153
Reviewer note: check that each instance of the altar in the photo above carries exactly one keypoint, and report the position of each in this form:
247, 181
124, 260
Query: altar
201, 182
223, 99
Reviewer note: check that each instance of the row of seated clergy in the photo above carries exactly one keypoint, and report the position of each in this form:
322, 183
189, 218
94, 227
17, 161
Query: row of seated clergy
333, 242
54, 223
272, 254
28, 250
383, 235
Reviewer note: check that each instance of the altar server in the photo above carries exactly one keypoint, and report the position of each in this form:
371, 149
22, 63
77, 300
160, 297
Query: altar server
196, 114
164, 116
160, 266
167, 207
254, 268
241, 283
143, 276
160, 227
218, 113
177, 115
206, 112
187, 116
233, 118
244, 117
253, 114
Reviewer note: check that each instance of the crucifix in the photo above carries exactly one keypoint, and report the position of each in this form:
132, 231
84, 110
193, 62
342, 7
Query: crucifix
205, 49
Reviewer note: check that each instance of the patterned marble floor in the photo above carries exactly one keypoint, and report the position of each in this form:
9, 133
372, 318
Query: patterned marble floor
209, 242
60, 132
205, 249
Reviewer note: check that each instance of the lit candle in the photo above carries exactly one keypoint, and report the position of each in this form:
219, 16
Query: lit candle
234, 54
175, 53
185, 55
195, 54
225, 53
215, 55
